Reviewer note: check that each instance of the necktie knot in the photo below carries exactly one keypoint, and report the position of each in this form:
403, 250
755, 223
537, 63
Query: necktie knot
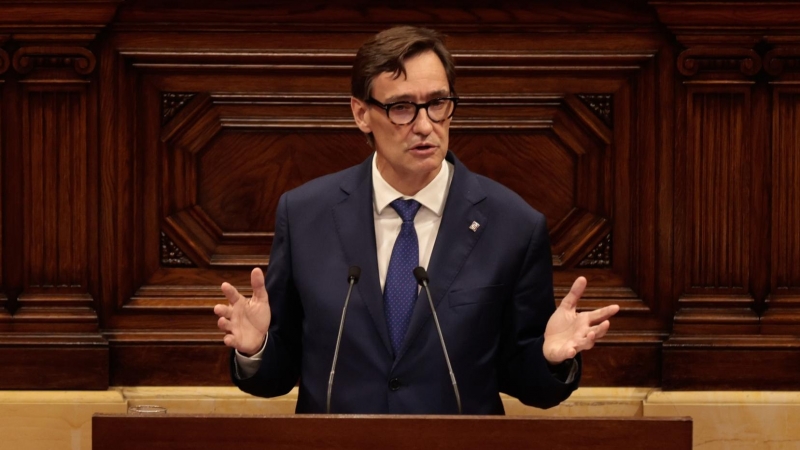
406, 209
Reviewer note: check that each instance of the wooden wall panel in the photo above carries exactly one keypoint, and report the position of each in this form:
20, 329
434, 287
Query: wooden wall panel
730, 158
50, 198
782, 316
205, 151
145, 145
5, 62
718, 192
786, 191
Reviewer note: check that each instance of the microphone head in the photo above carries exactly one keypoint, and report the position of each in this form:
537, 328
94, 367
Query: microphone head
421, 275
353, 274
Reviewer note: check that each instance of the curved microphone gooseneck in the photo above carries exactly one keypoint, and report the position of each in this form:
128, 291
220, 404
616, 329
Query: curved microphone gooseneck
352, 278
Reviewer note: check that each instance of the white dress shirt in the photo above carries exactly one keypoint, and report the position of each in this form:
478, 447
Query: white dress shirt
387, 222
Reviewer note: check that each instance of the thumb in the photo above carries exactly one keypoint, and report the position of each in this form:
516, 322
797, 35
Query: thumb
257, 283
575, 293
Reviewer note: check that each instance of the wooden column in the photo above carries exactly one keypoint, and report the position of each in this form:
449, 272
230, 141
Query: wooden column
51, 338
5, 63
736, 322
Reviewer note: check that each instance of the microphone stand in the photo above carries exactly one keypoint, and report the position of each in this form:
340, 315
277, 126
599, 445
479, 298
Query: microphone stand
352, 278
422, 278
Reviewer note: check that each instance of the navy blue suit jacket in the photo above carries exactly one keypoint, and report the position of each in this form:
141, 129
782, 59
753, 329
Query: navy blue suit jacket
492, 289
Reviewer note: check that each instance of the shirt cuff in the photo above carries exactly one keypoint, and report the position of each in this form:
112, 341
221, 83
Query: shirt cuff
565, 371
247, 366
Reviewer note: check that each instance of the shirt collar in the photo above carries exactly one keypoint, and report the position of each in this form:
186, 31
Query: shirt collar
431, 196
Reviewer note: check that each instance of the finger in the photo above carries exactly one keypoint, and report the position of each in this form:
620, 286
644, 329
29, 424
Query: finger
592, 336
224, 324
575, 293
231, 293
601, 330
601, 314
223, 311
257, 283
230, 340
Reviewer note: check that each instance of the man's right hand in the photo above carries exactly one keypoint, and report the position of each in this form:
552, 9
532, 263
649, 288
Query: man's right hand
245, 321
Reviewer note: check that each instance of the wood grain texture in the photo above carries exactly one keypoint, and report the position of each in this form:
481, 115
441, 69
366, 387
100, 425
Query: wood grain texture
51, 157
230, 133
388, 432
786, 191
718, 186
144, 146
72, 361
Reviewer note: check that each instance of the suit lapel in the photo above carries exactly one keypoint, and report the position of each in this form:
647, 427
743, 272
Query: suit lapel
454, 243
355, 225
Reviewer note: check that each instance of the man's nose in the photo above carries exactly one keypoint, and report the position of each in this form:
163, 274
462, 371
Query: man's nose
422, 124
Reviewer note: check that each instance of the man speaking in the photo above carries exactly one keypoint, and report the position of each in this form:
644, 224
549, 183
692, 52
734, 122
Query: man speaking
485, 252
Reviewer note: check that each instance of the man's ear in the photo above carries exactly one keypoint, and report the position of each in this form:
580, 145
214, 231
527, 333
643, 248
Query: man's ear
360, 115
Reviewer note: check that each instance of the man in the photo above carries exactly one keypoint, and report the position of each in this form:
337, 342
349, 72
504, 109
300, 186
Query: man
413, 203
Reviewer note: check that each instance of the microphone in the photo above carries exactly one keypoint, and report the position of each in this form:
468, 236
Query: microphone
422, 278
352, 278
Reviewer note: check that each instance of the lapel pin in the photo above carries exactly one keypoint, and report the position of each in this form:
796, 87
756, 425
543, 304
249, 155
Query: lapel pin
474, 227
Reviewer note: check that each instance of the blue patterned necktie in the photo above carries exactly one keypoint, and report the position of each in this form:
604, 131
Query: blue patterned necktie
400, 290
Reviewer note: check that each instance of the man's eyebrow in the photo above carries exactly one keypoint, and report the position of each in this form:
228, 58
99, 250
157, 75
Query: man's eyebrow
410, 98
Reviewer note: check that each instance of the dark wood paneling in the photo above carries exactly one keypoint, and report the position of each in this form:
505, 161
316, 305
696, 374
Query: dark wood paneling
5, 62
144, 146
786, 190
50, 198
333, 432
228, 140
66, 361
167, 360
745, 363
727, 229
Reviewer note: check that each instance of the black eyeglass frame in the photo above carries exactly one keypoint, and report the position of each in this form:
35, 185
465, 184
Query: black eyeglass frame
387, 106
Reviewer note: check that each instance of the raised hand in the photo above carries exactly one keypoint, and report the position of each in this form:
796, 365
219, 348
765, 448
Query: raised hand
569, 332
245, 321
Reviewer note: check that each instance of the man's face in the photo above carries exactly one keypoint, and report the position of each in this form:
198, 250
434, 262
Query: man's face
408, 156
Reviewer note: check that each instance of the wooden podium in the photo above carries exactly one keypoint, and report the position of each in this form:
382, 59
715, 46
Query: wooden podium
303, 432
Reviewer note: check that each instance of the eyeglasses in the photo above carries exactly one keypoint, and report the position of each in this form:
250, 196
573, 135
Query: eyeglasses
403, 113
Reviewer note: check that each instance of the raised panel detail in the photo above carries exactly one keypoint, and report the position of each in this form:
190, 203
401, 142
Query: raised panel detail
786, 193
782, 315
228, 162
55, 185
718, 192
551, 153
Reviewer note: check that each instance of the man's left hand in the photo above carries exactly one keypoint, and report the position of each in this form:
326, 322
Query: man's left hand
569, 332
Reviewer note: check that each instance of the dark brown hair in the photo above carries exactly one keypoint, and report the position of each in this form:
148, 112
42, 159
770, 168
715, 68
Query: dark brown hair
388, 50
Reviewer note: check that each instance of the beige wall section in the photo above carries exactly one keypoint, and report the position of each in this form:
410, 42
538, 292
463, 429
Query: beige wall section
734, 420
53, 420
56, 420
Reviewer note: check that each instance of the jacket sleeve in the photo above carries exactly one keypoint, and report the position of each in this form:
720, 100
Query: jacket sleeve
280, 364
523, 370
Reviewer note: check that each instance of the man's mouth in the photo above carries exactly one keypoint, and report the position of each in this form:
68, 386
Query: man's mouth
423, 147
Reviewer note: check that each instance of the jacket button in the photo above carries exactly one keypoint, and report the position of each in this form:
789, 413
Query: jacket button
395, 384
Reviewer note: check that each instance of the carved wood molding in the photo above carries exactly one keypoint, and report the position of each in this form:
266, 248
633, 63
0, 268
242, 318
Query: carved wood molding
172, 103
4, 61
172, 255
602, 105
732, 17
782, 58
50, 16
600, 256
26, 59
371, 17
693, 60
